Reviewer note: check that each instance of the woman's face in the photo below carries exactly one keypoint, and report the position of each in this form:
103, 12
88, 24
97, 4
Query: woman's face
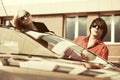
96, 30
24, 18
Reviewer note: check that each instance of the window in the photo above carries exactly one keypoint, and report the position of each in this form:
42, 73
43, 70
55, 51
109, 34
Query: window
75, 26
113, 28
82, 26
117, 28
70, 28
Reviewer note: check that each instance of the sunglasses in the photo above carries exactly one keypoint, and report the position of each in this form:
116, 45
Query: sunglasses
24, 16
95, 25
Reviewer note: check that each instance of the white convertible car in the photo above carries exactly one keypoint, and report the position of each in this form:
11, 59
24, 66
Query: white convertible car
45, 56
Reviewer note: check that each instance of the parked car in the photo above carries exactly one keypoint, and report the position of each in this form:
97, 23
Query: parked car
45, 56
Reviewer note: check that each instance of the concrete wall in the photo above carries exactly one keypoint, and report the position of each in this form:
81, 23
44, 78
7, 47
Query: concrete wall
54, 23
58, 6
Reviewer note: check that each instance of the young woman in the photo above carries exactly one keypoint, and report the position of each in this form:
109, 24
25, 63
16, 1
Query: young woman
93, 42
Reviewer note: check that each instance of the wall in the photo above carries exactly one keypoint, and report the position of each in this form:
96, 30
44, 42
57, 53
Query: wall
54, 23
59, 6
114, 52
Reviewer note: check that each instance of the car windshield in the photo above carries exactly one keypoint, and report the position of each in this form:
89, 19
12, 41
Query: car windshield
63, 48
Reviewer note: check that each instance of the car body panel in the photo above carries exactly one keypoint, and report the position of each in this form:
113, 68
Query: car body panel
24, 55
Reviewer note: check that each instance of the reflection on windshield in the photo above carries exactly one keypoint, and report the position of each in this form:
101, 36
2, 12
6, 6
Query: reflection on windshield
67, 49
